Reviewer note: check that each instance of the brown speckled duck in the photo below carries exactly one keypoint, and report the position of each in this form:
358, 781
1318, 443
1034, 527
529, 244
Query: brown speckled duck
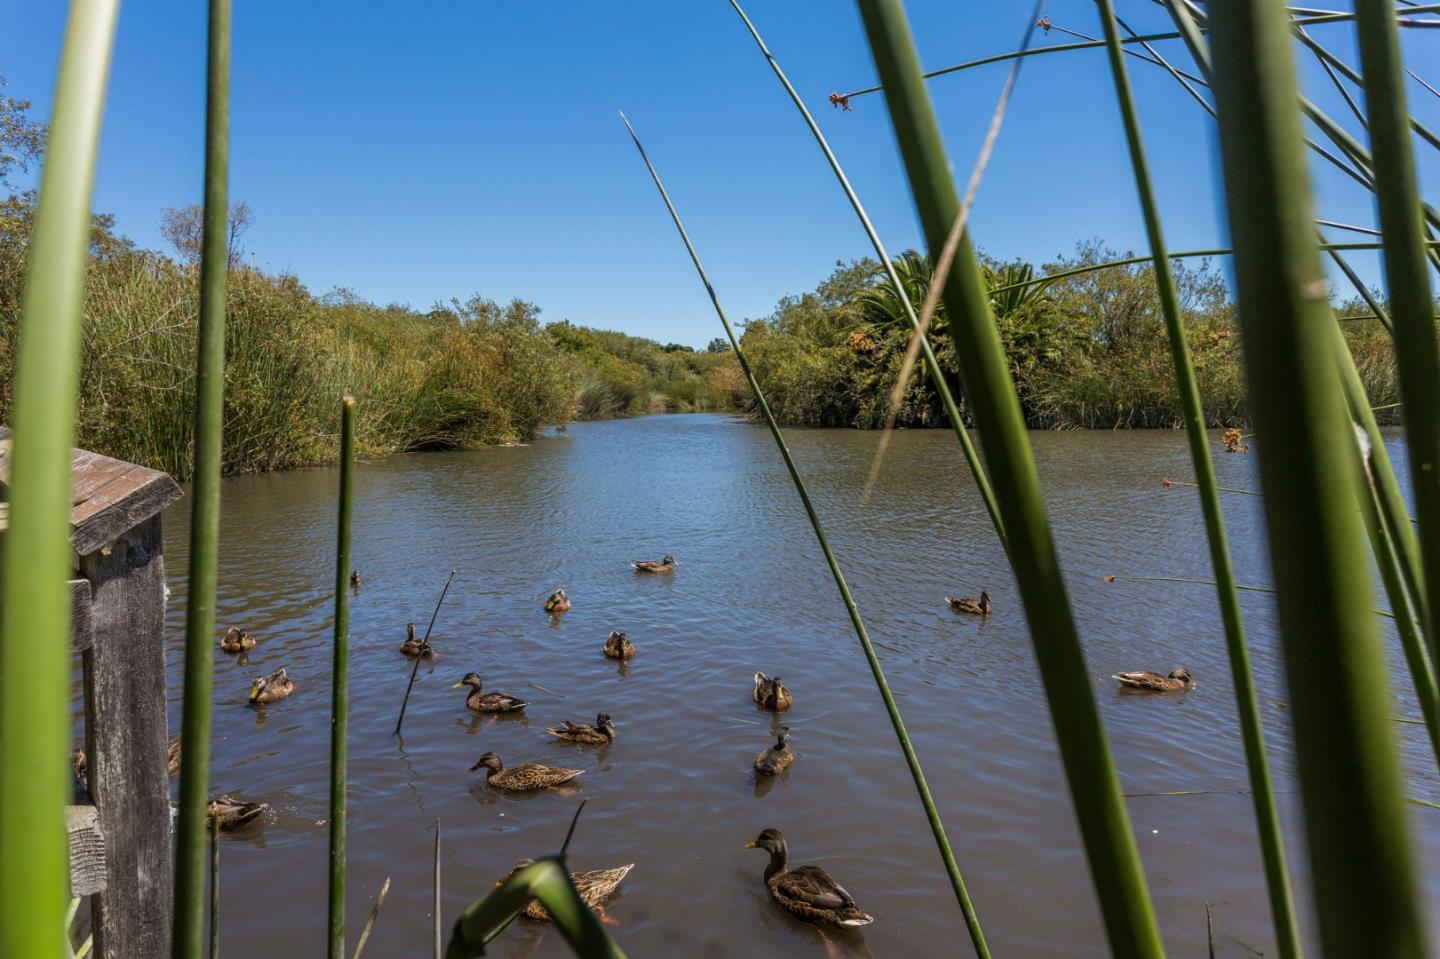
1155, 683
600, 734
777, 758
525, 777
618, 646
666, 565
806, 892
355, 580
771, 693
558, 602
594, 887
272, 688
416, 647
488, 702
236, 640
975, 607
232, 814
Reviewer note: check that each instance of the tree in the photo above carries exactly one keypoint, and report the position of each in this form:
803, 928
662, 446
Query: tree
22, 140
718, 345
184, 227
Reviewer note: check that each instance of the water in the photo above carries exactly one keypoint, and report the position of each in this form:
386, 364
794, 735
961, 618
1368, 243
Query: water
675, 795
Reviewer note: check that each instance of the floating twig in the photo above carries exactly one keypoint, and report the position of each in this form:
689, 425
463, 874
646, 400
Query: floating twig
425, 642
544, 690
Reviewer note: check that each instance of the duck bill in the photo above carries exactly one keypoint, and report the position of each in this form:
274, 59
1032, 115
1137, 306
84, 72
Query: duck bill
254, 693
750, 845
457, 685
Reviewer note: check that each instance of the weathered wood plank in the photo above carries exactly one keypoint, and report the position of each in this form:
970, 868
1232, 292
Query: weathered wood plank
82, 632
87, 850
126, 743
136, 507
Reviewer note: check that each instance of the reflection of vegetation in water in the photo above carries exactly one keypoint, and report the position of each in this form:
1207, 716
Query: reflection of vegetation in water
1087, 350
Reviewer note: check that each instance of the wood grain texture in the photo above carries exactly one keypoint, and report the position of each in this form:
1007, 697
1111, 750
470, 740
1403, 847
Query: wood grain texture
87, 850
82, 631
126, 741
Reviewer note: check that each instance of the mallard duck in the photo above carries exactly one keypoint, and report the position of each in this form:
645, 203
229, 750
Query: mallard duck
602, 733
618, 646
977, 607
806, 892
594, 887
558, 602
413, 646
1153, 682
777, 758
232, 814
355, 580
525, 777
236, 640
488, 702
81, 765
771, 693
272, 688
666, 565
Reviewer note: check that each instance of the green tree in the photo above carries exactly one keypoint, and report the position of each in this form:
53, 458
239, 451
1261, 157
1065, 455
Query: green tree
22, 140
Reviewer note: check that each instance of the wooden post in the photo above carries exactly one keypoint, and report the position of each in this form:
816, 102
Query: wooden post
126, 740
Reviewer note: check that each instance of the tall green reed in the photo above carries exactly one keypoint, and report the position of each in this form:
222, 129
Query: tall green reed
1272, 849
215, 887
188, 926
1407, 275
547, 881
932, 365
340, 683
1361, 872
1094, 787
34, 605
932, 814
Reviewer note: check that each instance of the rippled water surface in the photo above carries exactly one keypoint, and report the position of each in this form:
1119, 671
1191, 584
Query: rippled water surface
675, 795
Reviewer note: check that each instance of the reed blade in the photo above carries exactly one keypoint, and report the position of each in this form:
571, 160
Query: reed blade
340, 683
1267, 817
215, 887
1094, 787
548, 882
1407, 276
1358, 847
436, 904
204, 499
937, 828
34, 606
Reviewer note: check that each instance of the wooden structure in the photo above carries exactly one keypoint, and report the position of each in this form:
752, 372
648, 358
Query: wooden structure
120, 852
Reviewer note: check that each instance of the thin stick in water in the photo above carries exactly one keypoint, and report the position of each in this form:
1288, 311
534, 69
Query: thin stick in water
214, 887
416, 668
370, 923
439, 943
339, 683
565, 846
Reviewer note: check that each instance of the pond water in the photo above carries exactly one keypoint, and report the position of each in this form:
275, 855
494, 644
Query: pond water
675, 795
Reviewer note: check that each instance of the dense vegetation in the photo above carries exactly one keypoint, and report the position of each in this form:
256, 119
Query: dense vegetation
460, 375
1085, 351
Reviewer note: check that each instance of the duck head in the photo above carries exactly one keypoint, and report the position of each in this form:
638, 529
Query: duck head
489, 761
472, 679
1183, 675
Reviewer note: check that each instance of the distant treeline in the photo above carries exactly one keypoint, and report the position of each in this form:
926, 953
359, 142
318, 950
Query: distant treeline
1086, 351
460, 375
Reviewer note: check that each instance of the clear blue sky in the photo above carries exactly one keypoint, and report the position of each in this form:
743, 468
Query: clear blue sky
418, 151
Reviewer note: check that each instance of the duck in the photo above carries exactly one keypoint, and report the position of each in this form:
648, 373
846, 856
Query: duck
525, 777
666, 565
558, 602
1153, 682
977, 607
806, 892
602, 733
771, 693
594, 887
236, 640
413, 646
777, 758
232, 814
355, 580
81, 765
618, 646
272, 688
488, 702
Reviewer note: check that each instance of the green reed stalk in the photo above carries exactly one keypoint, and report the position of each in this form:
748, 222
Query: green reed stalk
214, 887
437, 890
35, 608
1361, 871
1363, 26
1407, 275
1267, 818
1094, 787
340, 682
370, 922
188, 925
937, 376
547, 881
937, 828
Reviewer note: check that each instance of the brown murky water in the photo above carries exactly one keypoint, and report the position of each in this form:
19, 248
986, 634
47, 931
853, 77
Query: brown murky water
676, 795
